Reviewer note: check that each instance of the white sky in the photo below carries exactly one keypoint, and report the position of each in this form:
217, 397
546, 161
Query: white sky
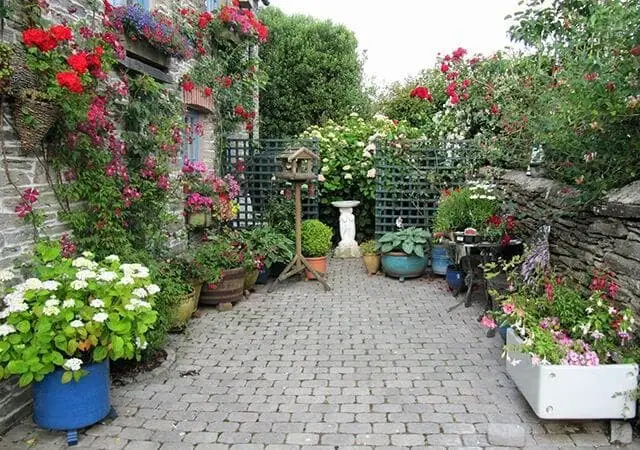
402, 37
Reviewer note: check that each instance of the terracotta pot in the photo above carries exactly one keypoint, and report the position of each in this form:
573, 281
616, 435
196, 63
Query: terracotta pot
185, 307
319, 263
371, 263
250, 279
229, 290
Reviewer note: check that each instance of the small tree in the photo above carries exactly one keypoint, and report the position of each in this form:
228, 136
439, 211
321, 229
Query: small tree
314, 74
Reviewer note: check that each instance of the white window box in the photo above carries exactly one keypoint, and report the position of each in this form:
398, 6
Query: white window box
574, 392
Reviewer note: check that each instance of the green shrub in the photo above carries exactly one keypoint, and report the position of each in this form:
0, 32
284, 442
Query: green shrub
466, 207
368, 247
316, 238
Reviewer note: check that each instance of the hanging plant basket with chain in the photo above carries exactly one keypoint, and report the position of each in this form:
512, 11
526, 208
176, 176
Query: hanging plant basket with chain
33, 118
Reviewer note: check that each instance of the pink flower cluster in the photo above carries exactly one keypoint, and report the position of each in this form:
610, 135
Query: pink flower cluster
25, 207
189, 167
198, 203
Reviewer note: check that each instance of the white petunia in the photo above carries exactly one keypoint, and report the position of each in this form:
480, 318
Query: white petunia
153, 289
77, 323
73, 364
97, 303
52, 302
112, 258
79, 284
6, 275
50, 285
100, 317
69, 303
85, 274
107, 276
50, 311
6, 329
140, 292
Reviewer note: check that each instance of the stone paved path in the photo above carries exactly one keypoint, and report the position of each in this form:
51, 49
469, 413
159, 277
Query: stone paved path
374, 363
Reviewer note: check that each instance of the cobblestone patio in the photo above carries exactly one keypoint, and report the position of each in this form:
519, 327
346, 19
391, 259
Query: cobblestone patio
374, 363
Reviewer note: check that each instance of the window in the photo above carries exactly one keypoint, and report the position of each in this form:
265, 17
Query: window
191, 143
146, 4
212, 4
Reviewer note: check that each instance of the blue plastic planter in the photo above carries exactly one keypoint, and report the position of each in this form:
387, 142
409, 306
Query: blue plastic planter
73, 405
454, 277
503, 332
440, 260
263, 276
400, 265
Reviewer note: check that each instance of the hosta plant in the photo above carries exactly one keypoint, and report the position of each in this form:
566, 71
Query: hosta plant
74, 312
411, 241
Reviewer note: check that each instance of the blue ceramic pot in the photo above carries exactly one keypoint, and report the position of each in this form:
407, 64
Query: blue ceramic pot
503, 332
73, 405
400, 265
440, 260
263, 276
454, 277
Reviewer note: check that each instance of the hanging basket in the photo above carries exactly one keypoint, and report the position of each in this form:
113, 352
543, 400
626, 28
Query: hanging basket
21, 76
34, 119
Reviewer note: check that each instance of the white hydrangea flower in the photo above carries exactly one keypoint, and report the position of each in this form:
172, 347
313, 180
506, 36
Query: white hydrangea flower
73, 364
81, 262
52, 302
136, 302
347, 167
366, 154
6, 275
107, 276
140, 292
371, 173
6, 329
85, 274
97, 303
126, 280
100, 317
324, 169
4, 313
348, 176
15, 303
77, 323
141, 274
79, 285
50, 285
69, 303
88, 254
112, 258
50, 311
130, 307
153, 289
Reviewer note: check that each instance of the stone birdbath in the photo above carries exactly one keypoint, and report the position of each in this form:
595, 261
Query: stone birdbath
348, 247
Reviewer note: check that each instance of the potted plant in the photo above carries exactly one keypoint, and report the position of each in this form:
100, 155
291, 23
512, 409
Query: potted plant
270, 246
316, 243
440, 257
466, 207
403, 252
569, 353
179, 292
223, 262
370, 256
61, 327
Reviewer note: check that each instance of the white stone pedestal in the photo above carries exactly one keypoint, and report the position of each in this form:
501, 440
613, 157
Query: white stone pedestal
348, 247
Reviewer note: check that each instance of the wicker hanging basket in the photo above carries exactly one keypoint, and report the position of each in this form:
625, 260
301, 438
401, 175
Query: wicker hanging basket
21, 76
33, 119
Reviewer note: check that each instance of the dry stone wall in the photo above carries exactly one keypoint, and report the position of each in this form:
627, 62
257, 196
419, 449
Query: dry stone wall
606, 237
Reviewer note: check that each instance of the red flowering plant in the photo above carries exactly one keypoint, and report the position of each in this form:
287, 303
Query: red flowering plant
499, 228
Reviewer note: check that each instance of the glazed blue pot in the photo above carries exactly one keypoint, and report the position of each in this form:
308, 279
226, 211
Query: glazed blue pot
503, 332
73, 405
454, 277
440, 260
400, 265
263, 276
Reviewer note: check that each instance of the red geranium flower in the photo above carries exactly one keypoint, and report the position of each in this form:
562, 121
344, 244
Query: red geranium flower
204, 19
78, 62
35, 37
207, 91
495, 110
61, 33
70, 80
188, 85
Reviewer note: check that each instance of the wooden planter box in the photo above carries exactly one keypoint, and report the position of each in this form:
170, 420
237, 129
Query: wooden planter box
574, 392
142, 51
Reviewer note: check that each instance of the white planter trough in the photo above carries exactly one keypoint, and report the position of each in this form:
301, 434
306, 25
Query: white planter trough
574, 392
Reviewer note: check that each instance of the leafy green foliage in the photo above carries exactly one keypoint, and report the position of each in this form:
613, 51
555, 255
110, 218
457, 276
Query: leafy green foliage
314, 74
75, 311
316, 238
412, 241
369, 247
269, 244
465, 207
280, 215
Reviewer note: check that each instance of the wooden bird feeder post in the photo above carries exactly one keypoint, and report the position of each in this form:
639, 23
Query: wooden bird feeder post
296, 165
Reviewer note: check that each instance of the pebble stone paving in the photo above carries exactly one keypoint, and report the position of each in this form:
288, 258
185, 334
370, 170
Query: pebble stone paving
374, 363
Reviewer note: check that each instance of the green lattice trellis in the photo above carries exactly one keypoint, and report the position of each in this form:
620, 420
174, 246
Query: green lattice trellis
257, 181
408, 182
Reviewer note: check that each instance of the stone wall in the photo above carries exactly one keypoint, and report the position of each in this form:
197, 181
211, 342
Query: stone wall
606, 237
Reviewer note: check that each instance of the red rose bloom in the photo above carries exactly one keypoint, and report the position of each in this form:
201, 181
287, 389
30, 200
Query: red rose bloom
204, 19
239, 110
635, 51
70, 80
444, 67
421, 92
78, 62
61, 33
188, 85
207, 91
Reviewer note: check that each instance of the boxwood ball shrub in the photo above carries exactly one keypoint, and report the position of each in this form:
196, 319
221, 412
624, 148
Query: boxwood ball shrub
316, 238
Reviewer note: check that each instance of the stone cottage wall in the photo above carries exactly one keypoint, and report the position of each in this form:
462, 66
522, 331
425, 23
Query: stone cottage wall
25, 171
606, 237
